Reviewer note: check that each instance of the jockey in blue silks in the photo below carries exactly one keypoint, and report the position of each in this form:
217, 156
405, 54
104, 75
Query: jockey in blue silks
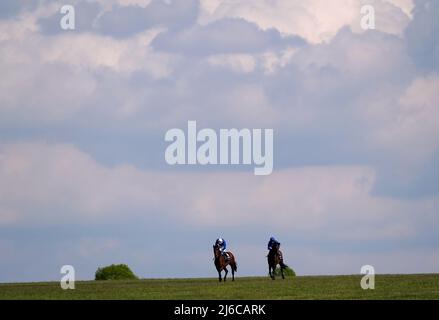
272, 243
222, 245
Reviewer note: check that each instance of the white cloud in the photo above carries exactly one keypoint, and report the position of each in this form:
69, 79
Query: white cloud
25, 97
244, 63
408, 124
91, 51
273, 61
270, 61
406, 6
18, 29
86, 50
141, 3
314, 20
53, 184
52, 79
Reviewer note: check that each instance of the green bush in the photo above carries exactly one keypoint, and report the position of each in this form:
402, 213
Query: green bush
288, 272
115, 272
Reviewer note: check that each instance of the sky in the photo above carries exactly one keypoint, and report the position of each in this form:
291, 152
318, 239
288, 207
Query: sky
84, 112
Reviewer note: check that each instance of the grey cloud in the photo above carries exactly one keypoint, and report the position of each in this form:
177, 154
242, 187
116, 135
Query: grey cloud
11, 8
318, 99
124, 21
227, 35
422, 35
392, 182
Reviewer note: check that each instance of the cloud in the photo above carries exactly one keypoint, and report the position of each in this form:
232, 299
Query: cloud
101, 214
421, 34
123, 19
126, 20
315, 20
83, 116
66, 76
88, 51
316, 93
53, 179
12, 8
59, 185
9, 8
413, 121
238, 62
224, 36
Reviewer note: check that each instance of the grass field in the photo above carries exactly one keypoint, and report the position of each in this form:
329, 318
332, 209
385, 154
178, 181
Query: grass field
422, 286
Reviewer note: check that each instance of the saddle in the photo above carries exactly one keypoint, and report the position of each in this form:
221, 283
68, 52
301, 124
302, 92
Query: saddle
278, 254
226, 255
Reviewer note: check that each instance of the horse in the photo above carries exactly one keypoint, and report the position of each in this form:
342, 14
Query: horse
221, 263
275, 258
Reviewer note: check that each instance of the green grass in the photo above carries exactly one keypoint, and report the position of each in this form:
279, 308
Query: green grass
422, 286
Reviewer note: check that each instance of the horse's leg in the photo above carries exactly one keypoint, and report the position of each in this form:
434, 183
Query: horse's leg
271, 271
226, 272
219, 275
233, 272
282, 270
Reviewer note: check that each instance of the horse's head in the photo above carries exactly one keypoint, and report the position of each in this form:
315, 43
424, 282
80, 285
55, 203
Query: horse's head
216, 251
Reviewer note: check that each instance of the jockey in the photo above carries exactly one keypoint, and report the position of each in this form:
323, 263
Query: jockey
272, 243
222, 245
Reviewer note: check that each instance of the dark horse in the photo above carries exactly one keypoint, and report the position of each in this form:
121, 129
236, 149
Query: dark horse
221, 263
275, 258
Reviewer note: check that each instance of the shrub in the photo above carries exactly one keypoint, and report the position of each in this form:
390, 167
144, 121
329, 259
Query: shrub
287, 272
115, 272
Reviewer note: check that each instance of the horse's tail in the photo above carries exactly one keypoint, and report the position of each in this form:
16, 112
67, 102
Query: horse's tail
281, 260
233, 263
